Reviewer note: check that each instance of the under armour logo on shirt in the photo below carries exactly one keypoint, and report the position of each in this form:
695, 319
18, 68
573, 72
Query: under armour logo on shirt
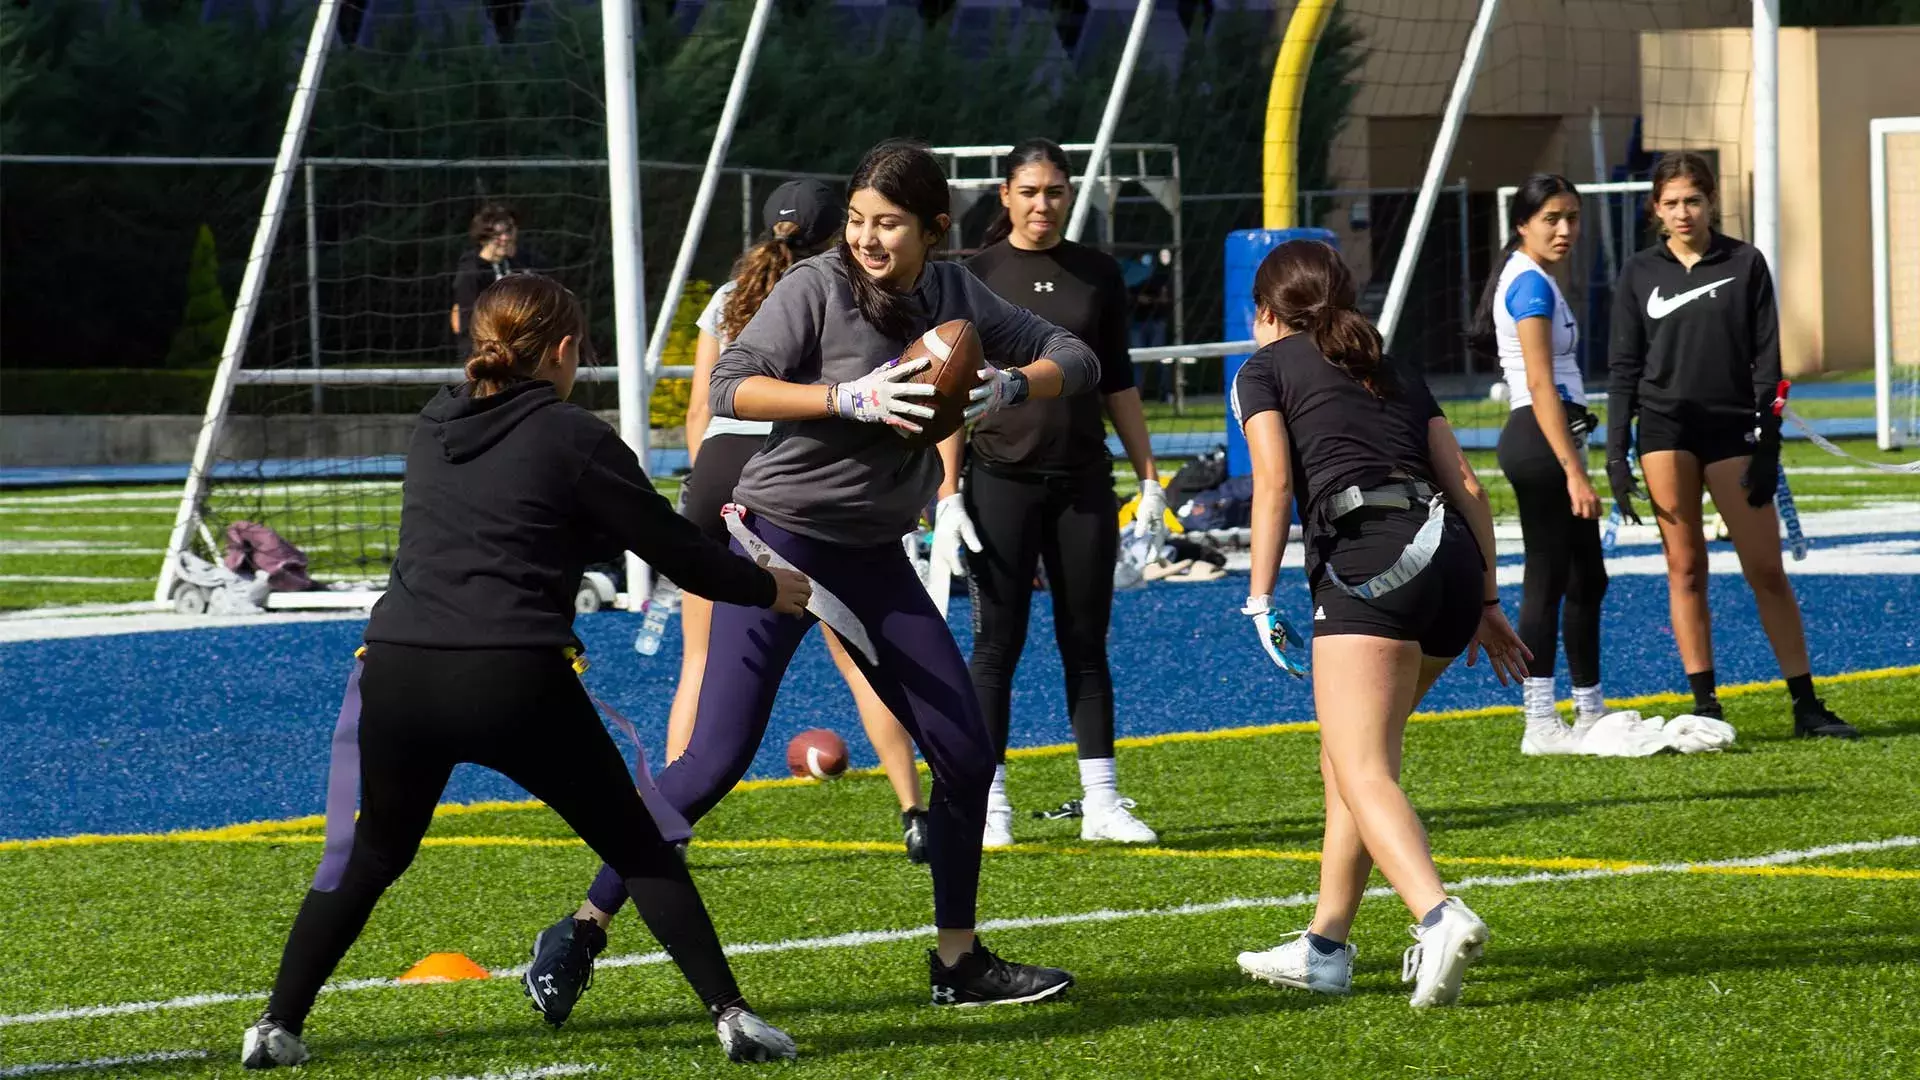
1043, 286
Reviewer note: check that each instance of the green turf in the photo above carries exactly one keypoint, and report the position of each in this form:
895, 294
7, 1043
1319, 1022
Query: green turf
1656, 975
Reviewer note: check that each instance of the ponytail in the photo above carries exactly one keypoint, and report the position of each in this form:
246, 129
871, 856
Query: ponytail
1305, 285
754, 275
1000, 229
1350, 343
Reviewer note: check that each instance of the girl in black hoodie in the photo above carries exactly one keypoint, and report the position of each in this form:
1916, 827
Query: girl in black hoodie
1696, 360
470, 657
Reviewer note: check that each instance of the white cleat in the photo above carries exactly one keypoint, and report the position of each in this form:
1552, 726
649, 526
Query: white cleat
999, 827
1550, 741
267, 1044
1298, 964
745, 1037
1114, 821
1438, 958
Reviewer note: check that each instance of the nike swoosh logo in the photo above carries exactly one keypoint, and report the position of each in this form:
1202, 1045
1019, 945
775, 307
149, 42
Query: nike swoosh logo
1659, 307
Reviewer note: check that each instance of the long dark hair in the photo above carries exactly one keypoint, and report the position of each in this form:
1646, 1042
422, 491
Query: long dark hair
1527, 202
1691, 166
1307, 286
906, 175
1031, 152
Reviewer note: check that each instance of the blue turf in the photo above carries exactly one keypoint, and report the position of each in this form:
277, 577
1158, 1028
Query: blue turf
201, 728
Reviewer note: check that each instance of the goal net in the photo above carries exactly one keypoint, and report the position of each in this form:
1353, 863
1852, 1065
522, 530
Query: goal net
1894, 161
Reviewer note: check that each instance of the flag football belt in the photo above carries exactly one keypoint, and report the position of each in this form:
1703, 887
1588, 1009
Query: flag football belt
1418, 552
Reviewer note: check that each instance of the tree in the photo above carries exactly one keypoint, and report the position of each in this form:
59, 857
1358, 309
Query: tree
203, 329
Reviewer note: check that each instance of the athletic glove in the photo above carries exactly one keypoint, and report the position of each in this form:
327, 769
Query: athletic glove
1150, 513
1000, 388
1763, 469
882, 397
951, 528
1276, 635
1580, 422
1620, 477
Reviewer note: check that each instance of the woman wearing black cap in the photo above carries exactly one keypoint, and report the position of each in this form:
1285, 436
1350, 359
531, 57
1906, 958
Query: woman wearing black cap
803, 217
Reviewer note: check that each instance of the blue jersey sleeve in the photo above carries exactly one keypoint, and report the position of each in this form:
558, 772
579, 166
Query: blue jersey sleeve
1530, 296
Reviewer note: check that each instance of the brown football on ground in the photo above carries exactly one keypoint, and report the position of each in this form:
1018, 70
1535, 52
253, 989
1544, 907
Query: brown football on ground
818, 753
953, 348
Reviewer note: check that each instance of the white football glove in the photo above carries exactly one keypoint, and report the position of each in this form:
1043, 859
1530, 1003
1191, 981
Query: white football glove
881, 397
1000, 388
1150, 513
951, 528
1276, 635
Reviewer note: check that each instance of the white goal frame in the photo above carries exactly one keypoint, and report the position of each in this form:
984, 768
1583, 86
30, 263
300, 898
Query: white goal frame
1878, 130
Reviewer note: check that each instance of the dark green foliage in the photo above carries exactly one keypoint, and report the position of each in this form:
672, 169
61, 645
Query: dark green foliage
203, 330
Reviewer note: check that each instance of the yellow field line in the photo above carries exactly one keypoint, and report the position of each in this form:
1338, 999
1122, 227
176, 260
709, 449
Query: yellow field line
313, 821
880, 847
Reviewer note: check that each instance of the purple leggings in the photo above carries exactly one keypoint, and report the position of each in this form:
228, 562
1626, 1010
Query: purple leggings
921, 677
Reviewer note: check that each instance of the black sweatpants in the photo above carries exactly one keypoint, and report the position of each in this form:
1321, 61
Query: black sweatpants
412, 714
1564, 561
1072, 525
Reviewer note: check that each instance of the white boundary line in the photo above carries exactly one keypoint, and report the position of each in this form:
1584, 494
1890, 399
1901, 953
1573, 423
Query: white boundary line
537, 1073
880, 937
108, 1063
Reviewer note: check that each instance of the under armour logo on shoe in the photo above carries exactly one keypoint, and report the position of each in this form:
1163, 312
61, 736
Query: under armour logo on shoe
546, 983
1319, 614
1043, 286
944, 995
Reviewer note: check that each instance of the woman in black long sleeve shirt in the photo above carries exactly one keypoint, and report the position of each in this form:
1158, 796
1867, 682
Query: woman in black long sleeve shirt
469, 657
1696, 359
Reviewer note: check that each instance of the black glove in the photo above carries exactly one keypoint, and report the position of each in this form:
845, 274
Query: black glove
1580, 422
1620, 476
1763, 469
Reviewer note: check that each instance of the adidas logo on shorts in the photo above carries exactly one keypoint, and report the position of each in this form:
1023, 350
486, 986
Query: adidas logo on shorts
1320, 614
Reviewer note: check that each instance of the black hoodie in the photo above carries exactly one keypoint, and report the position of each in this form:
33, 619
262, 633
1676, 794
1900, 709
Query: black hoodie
507, 499
1698, 345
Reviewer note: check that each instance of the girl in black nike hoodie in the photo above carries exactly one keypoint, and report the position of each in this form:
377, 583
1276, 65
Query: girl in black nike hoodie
510, 493
1696, 359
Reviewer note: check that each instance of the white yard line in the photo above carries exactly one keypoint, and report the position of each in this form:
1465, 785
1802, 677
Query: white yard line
65, 579
537, 1073
105, 1063
923, 933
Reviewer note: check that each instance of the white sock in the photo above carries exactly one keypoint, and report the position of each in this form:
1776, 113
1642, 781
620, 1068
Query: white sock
1097, 779
1588, 705
997, 791
1537, 692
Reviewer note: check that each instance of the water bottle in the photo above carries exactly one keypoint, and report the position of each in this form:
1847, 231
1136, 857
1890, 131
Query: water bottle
664, 600
1611, 534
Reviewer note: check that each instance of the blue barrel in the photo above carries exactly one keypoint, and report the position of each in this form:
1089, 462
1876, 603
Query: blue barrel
1245, 249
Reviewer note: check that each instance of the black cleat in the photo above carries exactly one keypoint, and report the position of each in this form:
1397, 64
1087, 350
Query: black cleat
981, 978
1815, 721
562, 967
913, 828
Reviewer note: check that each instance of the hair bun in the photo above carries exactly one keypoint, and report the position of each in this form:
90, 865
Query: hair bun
490, 361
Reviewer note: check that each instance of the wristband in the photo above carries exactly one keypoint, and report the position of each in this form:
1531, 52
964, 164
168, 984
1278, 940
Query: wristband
1495, 602
833, 400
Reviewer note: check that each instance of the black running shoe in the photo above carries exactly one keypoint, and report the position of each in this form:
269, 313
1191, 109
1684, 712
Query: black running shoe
913, 828
562, 967
1815, 721
981, 978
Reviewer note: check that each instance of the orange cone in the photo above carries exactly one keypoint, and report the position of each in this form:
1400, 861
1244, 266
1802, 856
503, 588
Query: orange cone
444, 967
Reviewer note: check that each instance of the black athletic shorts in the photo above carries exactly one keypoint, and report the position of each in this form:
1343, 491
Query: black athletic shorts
710, 485
1439, 608
1710, 439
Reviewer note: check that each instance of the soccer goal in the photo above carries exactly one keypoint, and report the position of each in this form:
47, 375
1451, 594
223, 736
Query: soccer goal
1894, 161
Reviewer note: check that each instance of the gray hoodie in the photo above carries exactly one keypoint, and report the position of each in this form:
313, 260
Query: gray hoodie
841, 480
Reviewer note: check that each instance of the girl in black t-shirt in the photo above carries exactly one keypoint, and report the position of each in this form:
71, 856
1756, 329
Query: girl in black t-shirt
1400, 587
1039, 490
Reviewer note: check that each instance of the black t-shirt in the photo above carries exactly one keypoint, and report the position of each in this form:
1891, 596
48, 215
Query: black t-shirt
474, 274
1341, 435
1080, 290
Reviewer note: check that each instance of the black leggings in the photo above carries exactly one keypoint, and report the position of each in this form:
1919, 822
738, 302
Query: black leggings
1563, 555
1072, 524
410, 716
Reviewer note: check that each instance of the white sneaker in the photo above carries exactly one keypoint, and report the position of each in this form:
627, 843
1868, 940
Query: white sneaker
1297, 963
1114, 821
746, 1037
267, 1044
1540, 741
1439, 956
999, 827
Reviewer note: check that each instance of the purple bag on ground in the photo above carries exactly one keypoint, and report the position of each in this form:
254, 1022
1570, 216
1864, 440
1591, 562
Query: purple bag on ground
258, 549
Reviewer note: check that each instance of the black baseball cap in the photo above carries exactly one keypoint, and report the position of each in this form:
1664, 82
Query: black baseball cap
812, 205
